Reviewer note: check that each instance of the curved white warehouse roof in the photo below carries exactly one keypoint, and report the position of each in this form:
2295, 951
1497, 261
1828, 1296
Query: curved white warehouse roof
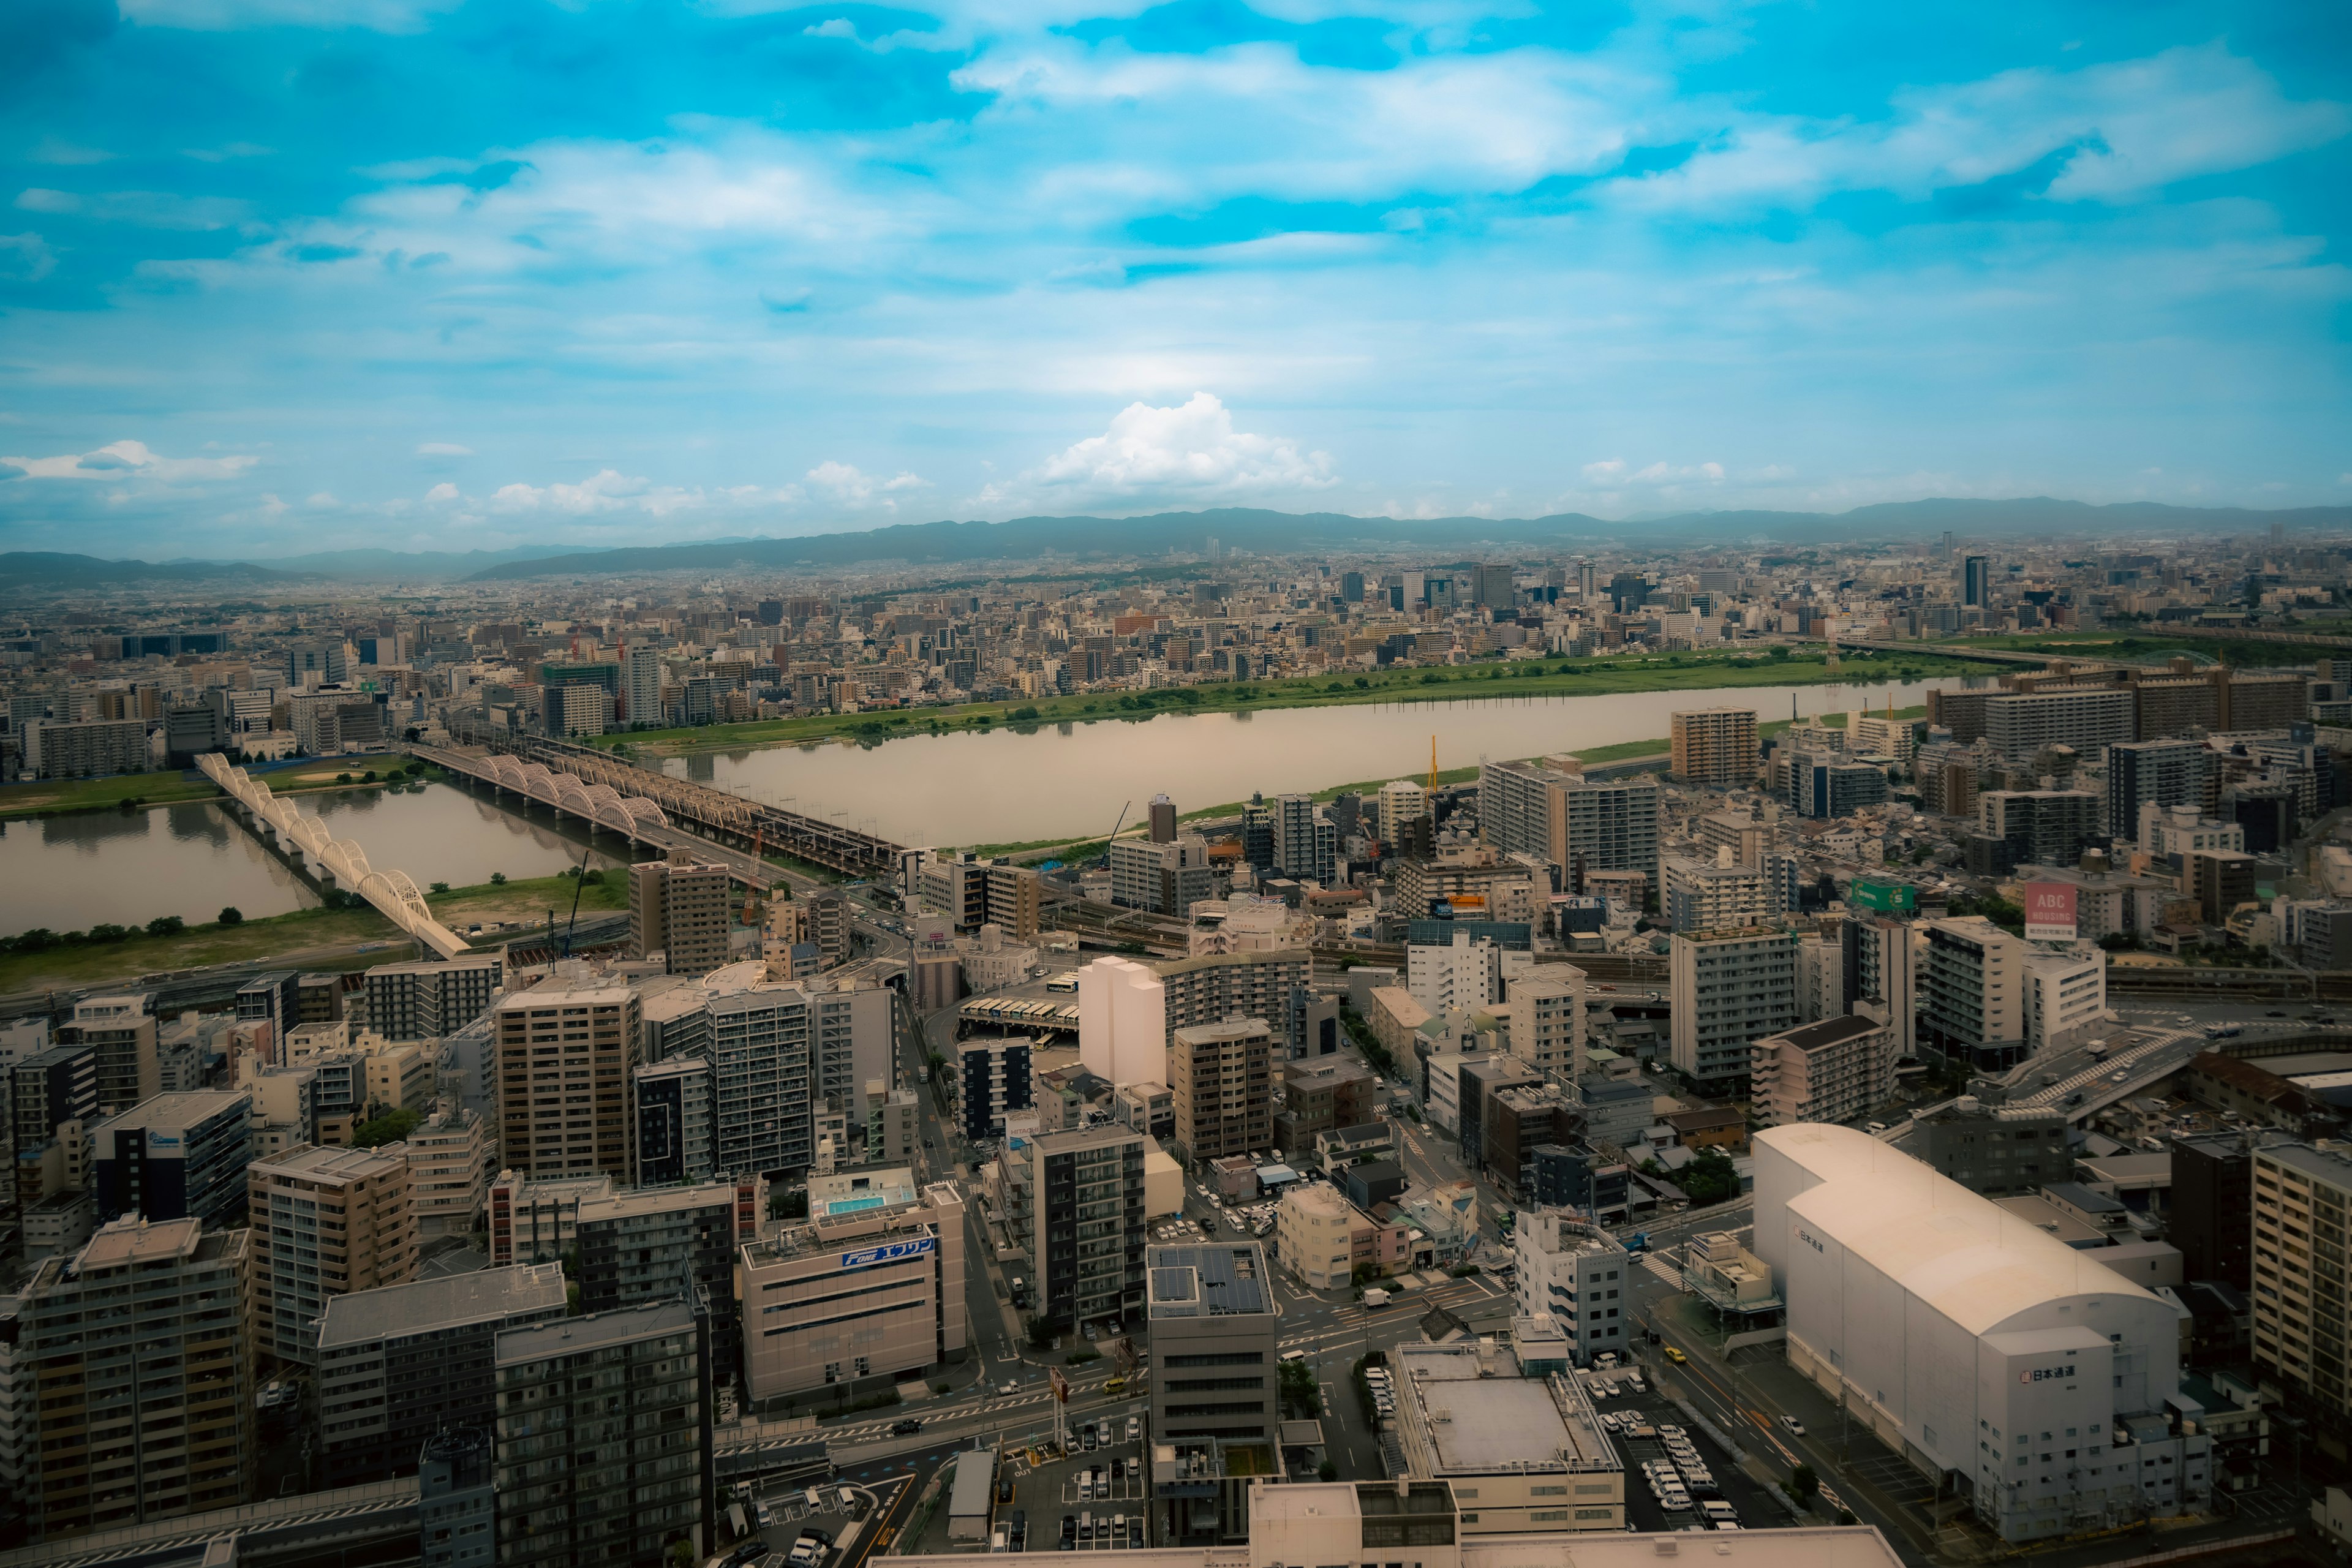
1962, 1253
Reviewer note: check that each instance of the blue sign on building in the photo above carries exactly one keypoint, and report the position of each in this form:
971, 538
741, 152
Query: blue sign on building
894, 1252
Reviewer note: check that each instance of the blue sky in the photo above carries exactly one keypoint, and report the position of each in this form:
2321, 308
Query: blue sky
285, 274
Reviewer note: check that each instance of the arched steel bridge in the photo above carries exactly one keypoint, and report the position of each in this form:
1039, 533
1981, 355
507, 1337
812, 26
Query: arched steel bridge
337, 861
590, 783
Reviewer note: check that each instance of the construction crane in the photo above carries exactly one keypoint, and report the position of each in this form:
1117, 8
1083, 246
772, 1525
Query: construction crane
579, 881
1113, 834
1432, 764
750, 888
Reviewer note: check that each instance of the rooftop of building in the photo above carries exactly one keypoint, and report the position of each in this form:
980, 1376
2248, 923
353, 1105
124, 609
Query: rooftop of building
445, 1301
1208, 1280
2328, 1160
1828, 1032
1478, 1417
1219, 1033
176, 1111
1324, 1072
593, 1332
621, 1203
1959, 1253
311, 1162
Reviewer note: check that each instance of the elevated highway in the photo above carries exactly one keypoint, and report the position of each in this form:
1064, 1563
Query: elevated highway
337, 861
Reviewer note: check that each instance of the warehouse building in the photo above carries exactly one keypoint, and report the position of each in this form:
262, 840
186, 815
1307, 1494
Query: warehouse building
2004, 1364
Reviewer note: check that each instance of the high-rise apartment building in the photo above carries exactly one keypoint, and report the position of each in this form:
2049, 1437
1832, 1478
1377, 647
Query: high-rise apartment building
2212, 1215
1122, 1022
672, 1122
1262, 982
565, 1049
2041, 826
603, 1450
1715, 746
992, 1079
1972, 991
1160, 876
679, 908
1547, 1014
1720, 895
400, 1363
648, 1244
426, 1001
326, 1221
641, 687
1461, 975
1401, 802
1087, 1228
457, 1503
452, 1155
1163, 820
1305, 840
1223, 1078
1730, 989
2303, 1314
122, 1030
2087, 718
151, 1419
2152, 772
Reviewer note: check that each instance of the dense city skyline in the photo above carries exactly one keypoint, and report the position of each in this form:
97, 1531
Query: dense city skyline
480, 276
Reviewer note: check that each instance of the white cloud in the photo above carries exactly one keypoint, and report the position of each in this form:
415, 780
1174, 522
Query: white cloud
2117, 133
443, 449
444, 494
605, 490
25, 257
1190, 449
51, 150
132, 459
146, 209
857, 487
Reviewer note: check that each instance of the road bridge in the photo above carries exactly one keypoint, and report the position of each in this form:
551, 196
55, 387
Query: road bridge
337, 861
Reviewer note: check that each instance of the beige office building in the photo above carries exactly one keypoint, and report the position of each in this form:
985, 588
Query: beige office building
1715, 746
1315, 1225
869, 1288
326, 1221
2303, 1203
566, 1047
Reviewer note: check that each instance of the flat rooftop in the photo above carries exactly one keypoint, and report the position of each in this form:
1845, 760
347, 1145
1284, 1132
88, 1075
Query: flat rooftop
179, 1110
1830, 1032
597, 1331
1479, 1425
1207, 1281
428, 1305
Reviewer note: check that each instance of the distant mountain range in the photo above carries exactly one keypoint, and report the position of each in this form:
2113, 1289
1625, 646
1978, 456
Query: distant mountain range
1027, 538
1031, 541
54, 570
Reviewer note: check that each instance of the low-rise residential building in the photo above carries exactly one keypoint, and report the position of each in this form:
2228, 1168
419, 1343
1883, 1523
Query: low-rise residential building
1833, 1070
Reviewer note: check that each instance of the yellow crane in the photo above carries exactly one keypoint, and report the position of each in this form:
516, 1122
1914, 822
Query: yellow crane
1433, 764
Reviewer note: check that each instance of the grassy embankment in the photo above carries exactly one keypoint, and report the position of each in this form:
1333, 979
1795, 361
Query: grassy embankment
57, 797
2145, 645
1622, 751
320, 933
1532, 678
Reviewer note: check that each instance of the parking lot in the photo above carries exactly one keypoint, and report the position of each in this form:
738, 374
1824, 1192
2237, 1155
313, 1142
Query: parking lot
777, 1513
1094, 1499
1674, 1471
